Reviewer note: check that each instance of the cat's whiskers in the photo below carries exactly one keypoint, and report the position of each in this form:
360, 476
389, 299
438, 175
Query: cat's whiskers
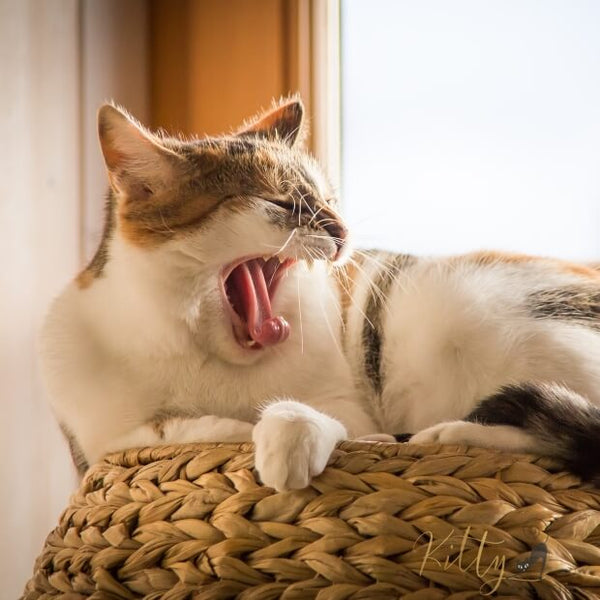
287, 241
384, 265
162, 219
288, 182
324, 237
163, 230
373, 287
315, 213
337, 240
336, 303
302, 201
387, 267
312, 211
338, 306
331, 332
350, 295
326, 221
368, 256
300, 313
296, 189
403, 283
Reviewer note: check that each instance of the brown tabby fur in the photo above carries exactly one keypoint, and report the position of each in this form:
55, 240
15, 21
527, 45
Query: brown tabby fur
205, 174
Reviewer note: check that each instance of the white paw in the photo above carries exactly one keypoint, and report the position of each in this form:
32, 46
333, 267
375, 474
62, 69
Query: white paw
465, 433
451, 432
293, 444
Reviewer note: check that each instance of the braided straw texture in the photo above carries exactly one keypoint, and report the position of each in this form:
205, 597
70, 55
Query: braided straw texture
383, 521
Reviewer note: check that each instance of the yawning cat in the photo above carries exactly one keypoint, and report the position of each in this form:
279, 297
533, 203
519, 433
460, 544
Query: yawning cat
216, 309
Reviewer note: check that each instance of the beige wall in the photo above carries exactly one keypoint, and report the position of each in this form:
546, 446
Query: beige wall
58, 60
39, 216
114, 66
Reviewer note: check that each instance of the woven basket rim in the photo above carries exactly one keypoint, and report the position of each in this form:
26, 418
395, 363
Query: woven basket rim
145, 455
199, 519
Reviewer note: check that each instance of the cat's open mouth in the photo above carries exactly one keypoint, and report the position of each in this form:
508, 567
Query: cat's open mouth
249, 287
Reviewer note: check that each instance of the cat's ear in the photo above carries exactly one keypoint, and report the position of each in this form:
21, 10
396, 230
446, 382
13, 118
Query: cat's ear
285, 122
137, 163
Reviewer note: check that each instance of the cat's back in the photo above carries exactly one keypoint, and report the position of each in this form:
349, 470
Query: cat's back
393, 288
422, 331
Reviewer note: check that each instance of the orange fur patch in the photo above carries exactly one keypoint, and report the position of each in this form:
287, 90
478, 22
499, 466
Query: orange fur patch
85, 279
161, 219
345, 278
490, 257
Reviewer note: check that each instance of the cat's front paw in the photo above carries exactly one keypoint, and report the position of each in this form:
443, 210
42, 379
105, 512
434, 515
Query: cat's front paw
293, 444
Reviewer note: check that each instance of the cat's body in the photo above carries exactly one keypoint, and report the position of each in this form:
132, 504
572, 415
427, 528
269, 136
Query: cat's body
176, 331
155, 363
455, 330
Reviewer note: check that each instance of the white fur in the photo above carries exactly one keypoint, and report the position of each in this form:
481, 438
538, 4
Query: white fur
456, 334
152, 335
293, 443
510, 439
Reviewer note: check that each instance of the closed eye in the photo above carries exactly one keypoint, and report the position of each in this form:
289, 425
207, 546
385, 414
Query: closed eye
286, 204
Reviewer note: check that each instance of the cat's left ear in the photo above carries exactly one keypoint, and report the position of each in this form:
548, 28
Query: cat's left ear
137, 162
284, 123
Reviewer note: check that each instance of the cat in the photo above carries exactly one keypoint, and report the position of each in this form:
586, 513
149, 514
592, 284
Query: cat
224, 304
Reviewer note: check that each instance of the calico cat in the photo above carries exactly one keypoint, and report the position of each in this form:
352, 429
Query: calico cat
224, 304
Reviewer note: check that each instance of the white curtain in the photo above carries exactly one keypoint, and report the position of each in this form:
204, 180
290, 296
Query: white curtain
58, 60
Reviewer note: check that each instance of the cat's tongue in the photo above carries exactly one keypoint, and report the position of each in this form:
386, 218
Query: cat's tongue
263, 327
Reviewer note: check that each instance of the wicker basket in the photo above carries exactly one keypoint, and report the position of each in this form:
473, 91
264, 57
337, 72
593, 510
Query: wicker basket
384, 521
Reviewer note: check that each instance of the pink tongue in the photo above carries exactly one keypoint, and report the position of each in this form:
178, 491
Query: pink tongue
263, 327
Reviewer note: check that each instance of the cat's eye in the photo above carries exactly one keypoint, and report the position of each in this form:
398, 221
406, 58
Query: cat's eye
287, 204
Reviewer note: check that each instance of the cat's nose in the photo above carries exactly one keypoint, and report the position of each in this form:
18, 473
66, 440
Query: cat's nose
338, 233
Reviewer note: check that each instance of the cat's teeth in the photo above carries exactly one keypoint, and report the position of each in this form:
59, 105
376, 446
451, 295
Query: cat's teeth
250, 343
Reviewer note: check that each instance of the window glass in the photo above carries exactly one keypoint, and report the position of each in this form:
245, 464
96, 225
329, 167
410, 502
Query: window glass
471, 124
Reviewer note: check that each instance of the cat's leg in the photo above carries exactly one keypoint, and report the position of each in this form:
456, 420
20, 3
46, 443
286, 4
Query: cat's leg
501, 437
179, 430
376, 437
544, 419
294, 441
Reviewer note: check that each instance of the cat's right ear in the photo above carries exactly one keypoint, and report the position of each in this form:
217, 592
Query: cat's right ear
284, 122
137, 163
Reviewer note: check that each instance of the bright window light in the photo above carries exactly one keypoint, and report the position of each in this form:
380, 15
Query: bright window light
471, 124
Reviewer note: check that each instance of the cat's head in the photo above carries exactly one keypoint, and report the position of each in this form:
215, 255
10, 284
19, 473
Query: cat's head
244, 209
